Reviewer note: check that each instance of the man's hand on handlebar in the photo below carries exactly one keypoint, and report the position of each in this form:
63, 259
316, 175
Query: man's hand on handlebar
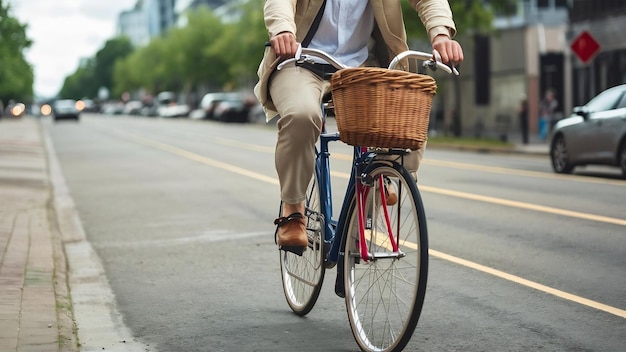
284, 44
450, 50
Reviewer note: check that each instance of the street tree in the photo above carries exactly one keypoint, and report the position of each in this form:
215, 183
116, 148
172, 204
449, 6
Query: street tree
81, 83
98, 72
144, 68
16, 74
180, 59
113, 50
243, 44
201, 63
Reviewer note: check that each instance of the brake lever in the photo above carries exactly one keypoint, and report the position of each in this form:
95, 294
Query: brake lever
439, 62
301, 60
297, 58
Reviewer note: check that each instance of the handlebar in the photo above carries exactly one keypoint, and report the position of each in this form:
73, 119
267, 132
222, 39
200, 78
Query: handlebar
429, 62
306, 55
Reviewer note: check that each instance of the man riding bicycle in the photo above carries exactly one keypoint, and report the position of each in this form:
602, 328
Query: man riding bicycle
357, 33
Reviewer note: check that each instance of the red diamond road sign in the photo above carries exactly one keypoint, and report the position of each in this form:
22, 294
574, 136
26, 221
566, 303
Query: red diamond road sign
585, 46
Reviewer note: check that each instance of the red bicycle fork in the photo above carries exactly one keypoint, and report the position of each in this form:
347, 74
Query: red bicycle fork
362, 194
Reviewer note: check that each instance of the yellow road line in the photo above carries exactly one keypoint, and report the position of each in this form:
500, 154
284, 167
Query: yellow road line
383, 241
196, 157
509, 277
523, 205
508, 171
247, 146
534, 285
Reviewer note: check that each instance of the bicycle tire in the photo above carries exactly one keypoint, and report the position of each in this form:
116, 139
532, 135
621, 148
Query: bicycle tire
384, 296
302, 276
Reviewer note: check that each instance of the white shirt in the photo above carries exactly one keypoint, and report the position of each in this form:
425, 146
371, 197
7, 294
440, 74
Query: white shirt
345, 30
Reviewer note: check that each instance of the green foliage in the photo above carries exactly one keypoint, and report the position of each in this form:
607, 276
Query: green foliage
207, 51
177, 59
80, 84
145, 68
198, 61
414, 27
98, 72
244, 42
112, 51
16, 74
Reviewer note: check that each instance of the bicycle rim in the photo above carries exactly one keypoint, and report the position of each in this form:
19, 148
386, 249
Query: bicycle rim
302, 276
384, 296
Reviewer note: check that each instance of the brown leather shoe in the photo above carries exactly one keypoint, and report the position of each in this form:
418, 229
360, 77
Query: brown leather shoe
291, 233
391, 194
390, 191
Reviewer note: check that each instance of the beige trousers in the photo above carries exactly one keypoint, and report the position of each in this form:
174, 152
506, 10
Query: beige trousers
297, 94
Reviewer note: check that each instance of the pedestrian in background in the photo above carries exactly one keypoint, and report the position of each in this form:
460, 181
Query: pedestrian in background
523, 120
547, 111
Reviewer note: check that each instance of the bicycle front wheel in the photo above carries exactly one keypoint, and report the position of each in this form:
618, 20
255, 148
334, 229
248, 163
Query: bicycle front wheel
302, 276
385, 291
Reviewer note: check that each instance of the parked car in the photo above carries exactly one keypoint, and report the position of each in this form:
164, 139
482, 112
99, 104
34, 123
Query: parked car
113, 108
225, 107
65, 109
167, 106
149, 110
231, 111
90, 106
594, 134
132, 107
174, 110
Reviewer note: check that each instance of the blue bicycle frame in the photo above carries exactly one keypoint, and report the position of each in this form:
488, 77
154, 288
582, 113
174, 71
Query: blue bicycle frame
332, 226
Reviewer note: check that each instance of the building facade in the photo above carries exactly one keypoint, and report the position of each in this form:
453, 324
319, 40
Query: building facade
605, 21
151, 18
184, 6
148, 19
518, 62
134, 25
530, 53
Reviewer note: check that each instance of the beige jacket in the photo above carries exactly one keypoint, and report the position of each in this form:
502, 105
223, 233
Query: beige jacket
296, 16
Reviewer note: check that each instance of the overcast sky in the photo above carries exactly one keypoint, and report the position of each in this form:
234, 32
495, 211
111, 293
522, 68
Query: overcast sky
63, 31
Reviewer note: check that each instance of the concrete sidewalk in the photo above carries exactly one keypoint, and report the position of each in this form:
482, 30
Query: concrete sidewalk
35, 305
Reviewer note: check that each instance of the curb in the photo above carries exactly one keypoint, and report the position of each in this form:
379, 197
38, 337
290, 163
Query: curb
68, 341
89, 308
489, 150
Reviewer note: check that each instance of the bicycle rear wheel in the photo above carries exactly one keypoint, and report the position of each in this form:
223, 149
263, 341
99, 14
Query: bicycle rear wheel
302, 276
385, 294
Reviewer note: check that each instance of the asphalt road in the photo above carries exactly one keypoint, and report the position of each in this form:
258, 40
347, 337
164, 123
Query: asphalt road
180, 213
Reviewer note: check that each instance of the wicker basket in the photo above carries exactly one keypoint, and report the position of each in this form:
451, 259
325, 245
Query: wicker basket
377, 107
